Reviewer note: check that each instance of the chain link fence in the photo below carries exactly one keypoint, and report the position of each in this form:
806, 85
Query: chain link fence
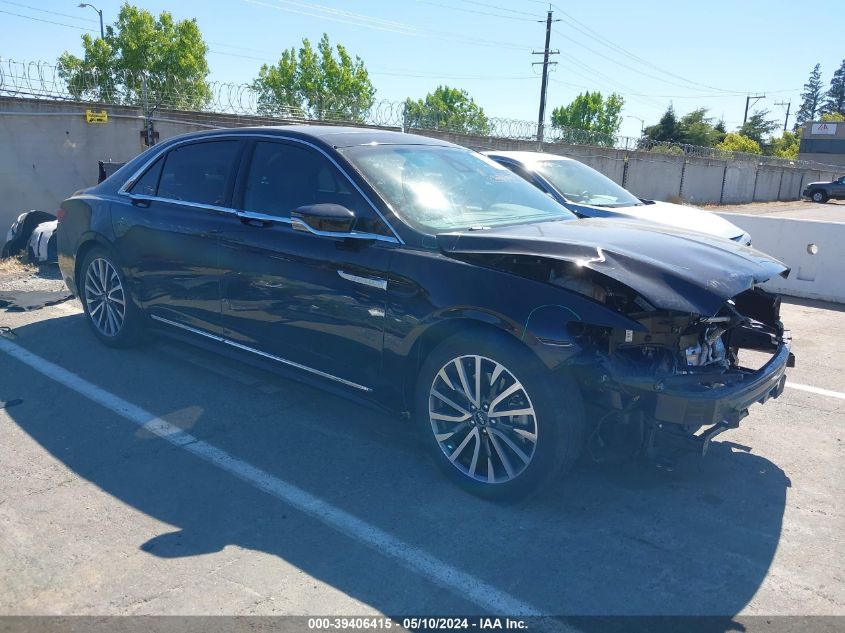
42, 80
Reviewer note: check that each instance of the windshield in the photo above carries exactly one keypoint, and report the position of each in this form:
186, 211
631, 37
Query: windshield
437, 189
581, 184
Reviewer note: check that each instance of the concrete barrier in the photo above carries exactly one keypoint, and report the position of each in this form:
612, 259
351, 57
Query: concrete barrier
702, 181
654, 177
739, 183
792, 184
813, 250
767, 184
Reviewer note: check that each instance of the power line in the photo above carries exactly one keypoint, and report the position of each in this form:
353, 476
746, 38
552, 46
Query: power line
64, 15
475, 11
29, 17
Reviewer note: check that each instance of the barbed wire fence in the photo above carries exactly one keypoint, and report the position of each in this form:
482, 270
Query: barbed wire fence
249, 104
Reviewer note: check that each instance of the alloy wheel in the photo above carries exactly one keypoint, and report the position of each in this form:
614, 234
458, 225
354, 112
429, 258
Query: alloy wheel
482, 419
105, 297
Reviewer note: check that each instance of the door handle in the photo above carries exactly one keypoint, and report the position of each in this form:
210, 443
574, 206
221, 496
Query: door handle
256, 222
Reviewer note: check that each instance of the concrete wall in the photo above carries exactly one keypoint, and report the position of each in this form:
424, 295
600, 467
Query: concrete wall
703, 181
817, 273
654, 176
48, 151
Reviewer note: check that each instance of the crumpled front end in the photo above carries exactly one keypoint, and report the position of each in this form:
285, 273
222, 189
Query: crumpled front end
685, 378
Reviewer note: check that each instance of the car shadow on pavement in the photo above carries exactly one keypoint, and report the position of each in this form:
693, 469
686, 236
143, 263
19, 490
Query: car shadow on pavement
621, 538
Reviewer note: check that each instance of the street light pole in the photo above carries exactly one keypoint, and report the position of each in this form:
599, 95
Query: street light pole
642, 123
100, 13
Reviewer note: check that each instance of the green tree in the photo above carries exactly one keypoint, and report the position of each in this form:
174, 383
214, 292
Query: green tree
785, 146
447, 109
757, 126
325, 83
811, 98
170, 54
696, 128
667, 129
834, 117
591, 112
738, 143
834, 100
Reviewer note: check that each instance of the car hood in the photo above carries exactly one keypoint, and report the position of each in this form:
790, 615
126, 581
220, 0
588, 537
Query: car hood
677, 215
820, 183
672, 269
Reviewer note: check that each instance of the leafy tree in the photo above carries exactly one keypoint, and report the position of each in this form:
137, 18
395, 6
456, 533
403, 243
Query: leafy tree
591, 112
834, 117
325, 83
810, 98
667, 129
696, 128
834, 100
170, 54
785, 146
738, 143
447, 108
757, 126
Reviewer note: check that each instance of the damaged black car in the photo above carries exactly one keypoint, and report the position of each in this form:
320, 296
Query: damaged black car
426, 279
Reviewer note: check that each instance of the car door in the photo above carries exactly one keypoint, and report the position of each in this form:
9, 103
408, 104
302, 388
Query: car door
838, 188
166, 230
317, 301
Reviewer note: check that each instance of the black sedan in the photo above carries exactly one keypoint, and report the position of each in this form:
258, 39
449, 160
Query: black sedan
425, 278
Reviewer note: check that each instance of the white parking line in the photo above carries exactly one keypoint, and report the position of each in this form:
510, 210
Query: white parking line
430, 567
816, 390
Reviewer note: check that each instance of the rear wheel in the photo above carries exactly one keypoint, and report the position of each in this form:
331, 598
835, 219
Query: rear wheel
109, 309
818, 196
496, 422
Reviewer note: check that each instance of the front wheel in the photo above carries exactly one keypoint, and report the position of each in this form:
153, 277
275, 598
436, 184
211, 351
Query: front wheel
818, 196
109, 309
499, 425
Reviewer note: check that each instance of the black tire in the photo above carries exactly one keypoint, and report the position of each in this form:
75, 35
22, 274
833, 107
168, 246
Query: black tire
131, 328
818, 196
558, 417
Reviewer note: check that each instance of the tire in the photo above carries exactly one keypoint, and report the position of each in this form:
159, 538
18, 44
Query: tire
116, 322
818, 196
473, 446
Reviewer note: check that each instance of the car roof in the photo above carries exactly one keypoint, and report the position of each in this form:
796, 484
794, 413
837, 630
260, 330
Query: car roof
524, 157
331, 135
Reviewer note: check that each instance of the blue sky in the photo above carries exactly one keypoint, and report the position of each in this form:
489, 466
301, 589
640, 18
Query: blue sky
653, 53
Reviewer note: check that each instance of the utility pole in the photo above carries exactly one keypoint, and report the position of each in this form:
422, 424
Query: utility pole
149, 130
544, 85
747, 102
788, 105
100, 13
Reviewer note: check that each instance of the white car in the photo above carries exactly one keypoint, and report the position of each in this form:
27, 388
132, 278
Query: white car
589, 193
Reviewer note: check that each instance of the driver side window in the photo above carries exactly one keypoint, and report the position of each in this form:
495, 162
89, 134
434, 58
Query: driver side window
283, 177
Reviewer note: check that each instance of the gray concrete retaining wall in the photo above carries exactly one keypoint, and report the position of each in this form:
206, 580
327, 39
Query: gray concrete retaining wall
48, 151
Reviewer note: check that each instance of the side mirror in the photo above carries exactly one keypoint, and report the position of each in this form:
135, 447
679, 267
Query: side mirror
323, 219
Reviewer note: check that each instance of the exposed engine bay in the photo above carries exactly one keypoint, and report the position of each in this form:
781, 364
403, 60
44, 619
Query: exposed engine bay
679, 373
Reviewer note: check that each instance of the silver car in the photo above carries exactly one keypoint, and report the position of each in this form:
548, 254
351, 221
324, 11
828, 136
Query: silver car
589, 193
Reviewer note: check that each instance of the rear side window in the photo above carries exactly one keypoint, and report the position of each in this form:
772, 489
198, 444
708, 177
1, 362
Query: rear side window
147, 185
199, 172
283, 177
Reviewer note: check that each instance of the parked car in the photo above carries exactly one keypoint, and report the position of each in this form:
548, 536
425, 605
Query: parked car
824, 191
590, 194
426, 278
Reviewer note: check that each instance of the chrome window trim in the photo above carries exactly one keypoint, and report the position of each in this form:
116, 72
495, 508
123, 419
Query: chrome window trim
187, 203
299, 225
130, 182
246, 348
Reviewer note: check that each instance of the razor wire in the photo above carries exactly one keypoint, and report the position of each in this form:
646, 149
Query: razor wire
52, 81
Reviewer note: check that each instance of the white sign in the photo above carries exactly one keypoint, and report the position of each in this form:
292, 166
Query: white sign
823, 128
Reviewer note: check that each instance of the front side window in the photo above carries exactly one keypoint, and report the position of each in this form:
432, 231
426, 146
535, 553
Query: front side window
199, 172
438, 189
581, 184
283, 177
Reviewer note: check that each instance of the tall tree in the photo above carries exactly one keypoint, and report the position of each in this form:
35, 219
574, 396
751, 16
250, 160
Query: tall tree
666, 129
785, 146
447, 109
326, 83
738, 143
811, 97
834, 100
696, 128
591, 112
169, 54
757, 126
